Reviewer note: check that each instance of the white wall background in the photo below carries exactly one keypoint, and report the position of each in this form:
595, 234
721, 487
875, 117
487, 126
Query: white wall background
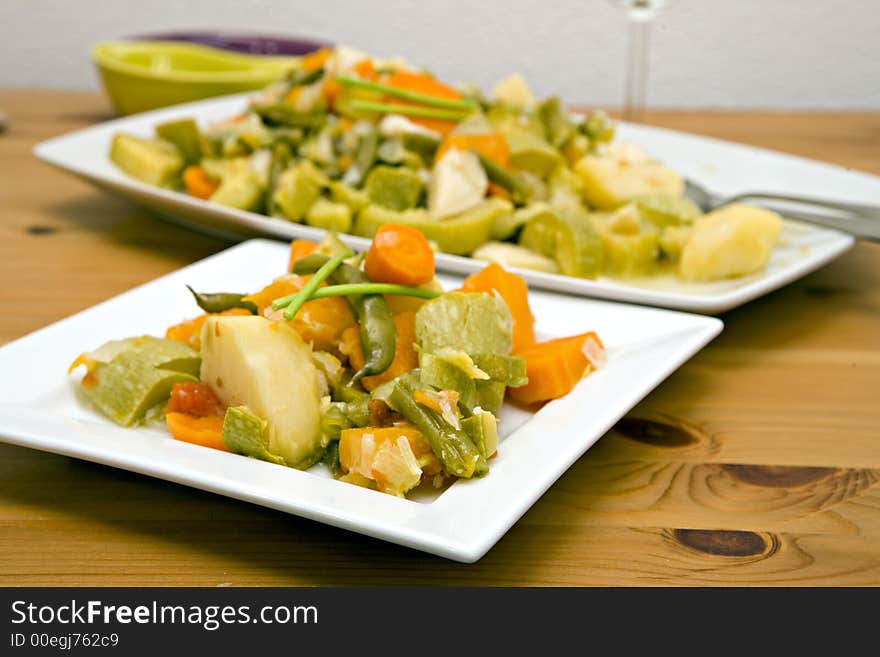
704, 53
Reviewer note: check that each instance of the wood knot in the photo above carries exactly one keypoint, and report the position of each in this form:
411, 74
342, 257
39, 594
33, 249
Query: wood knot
724, 542
655, 432
777, 476
38, 229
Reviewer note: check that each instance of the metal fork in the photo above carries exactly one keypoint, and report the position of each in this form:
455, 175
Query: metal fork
858, 219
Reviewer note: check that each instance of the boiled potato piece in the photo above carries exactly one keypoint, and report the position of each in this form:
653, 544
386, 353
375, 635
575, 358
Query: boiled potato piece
732, 241
513, 255
609, 181
266, 366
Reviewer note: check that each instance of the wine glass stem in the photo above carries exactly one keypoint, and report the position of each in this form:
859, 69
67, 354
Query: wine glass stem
637, 67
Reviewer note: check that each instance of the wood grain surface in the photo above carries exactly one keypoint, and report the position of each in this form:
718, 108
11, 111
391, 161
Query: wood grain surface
756, 463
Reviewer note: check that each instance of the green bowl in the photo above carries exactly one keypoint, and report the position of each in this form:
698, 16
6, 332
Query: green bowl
145, 75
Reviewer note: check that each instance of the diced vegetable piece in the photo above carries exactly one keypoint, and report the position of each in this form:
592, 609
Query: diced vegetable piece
361, 452
555, 367
567, 236
532, 153
189, 332
506, 226
183, 133
194, 398
401, 304
491, 145
131, 376
395, 468
458, 183
153, 161
514, 291
299, 249
513, 91
246, 433
405, 356
509, 370
447, 374
734, 240
482, 429
672, 241
630, 244
240, 190
609, 181
455, 450
490, 395
664, 210
460, 234
511, 255
353, 198
557, 121
329, 216
475, 323
253, 362
399, 254
206, 431
198, 183
393, 188
298, 188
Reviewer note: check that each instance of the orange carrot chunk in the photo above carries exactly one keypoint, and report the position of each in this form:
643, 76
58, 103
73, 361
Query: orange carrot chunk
299, 249
554, 367
492, 146
425, 84
198, 183
194, 398
399, 254
513, 289
205, 431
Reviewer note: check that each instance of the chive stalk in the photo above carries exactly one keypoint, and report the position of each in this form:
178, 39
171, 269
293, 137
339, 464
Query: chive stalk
293, 302
406, 94
409, 110
373, 288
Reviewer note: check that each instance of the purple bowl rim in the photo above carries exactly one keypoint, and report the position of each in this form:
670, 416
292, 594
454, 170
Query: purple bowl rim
253, 43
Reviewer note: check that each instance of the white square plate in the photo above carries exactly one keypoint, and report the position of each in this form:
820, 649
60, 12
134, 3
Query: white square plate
724, 167
41, 410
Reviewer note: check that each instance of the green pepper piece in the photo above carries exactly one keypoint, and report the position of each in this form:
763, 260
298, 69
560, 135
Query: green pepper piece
557, 122
183, 133
456, 451
331, 458
502, 177
217, 302
393, 187
245, 433
425, 145
378, 334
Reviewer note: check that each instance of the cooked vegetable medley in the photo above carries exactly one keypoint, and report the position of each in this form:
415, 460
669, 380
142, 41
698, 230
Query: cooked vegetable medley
359, 361
348, 143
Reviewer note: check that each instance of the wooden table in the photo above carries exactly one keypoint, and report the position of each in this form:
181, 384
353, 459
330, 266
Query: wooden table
757, 463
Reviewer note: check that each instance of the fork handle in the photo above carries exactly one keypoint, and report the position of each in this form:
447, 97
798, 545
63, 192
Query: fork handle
862, 209
859, 227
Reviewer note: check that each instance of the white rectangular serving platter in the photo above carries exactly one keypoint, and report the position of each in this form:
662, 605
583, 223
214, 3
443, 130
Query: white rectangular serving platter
42, 410
723, 167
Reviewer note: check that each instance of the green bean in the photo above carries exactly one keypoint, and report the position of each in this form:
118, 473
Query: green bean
299, 77
410, 110
378, 334
217, 302
452, 446
293, 302
366, 156
331, 458
501, 176
282, 114
406, 94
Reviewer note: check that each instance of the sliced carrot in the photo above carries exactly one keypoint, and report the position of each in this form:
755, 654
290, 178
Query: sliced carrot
320, 321
198, 183
190, 331
366, 69
205, 431
356, 455
316, 59
554, 367
292, 95
425, 84
491, 145
299, 249
399, 254
194, 398
405, 360
513, 289
330, 91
